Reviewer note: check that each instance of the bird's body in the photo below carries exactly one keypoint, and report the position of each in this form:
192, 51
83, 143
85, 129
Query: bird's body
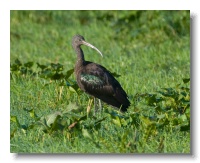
96, 80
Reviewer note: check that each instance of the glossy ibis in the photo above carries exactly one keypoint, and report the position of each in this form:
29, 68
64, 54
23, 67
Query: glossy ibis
96, 80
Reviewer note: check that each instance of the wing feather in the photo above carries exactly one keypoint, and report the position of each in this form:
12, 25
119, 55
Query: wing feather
97, 81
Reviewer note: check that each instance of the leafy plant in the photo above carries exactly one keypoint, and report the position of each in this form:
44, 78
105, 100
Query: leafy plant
149, 49
22, 69
170, 110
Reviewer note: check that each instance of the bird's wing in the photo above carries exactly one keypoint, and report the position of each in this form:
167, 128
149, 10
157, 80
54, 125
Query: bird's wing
95, 78
92, 79
98, 81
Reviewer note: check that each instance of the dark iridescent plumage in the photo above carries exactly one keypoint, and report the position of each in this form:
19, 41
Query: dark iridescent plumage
96, 80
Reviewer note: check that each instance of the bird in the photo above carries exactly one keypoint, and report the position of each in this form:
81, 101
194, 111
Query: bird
96, 80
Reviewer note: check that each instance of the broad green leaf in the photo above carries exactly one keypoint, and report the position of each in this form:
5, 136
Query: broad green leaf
28, 64
62, 83
124, 122
13, 133
14, 119
86, 134
50, 119
116, 121
185, 128
74, 108
83, 118
72, 89
14, 67
161, 116
57, 76
183, 117
46, 73
31, 112
41, 66
57, 66
186, 80
17, 62
69, 73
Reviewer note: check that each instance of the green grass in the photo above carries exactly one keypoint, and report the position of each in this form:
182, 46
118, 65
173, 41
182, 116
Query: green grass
149, 49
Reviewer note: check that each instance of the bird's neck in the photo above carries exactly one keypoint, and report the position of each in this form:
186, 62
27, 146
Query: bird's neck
80, 57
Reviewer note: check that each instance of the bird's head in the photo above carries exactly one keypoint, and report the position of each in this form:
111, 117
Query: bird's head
79, 40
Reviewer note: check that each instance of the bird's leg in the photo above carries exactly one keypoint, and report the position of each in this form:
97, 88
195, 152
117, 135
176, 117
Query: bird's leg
95, 106
96, 109
100, 105
89, 105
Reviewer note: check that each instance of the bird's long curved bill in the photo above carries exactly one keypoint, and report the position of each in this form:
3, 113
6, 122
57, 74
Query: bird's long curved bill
93, 47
